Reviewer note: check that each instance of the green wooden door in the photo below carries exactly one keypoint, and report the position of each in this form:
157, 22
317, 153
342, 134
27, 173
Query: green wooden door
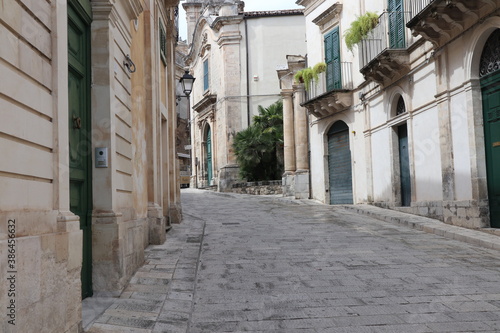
80, 147
404, 165
491, 113
332, 60
339, 164
209, 156
396, 24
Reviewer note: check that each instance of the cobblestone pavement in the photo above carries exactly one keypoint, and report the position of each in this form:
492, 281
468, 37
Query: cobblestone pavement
242, 263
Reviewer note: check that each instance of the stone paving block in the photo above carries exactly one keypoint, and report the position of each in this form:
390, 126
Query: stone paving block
170, 327
257, 264
104, 328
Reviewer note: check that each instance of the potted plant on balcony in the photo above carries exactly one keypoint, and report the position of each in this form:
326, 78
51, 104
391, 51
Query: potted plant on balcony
360, 28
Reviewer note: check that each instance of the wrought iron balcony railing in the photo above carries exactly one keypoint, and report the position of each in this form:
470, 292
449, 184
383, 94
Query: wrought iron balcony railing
416, 6
390, 33
337, 82
331, 93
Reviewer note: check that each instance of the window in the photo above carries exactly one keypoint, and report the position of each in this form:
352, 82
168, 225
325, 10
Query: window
332, 60
205, 75
163, 43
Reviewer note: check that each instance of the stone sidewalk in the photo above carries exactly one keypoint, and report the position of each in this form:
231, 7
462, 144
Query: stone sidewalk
159, 298
242, 263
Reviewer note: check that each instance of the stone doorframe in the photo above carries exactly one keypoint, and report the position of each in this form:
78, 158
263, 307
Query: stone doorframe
474, 110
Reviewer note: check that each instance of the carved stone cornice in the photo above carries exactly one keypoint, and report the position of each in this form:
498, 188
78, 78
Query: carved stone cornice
205, 103
229, 38
101, 10
221, 21
310, 5
133, 8
329, 18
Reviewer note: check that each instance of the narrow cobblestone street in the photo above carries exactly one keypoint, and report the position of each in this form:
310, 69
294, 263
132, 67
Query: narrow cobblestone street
267, 264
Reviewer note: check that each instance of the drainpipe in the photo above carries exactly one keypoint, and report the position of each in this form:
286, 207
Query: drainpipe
247, 72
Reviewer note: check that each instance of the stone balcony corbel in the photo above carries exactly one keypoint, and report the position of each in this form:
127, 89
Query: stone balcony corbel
387, 66
330, 103
440, 21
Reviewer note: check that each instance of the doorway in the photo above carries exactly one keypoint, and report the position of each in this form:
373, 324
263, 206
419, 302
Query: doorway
490, 91
80, 146
339, 164
404, 165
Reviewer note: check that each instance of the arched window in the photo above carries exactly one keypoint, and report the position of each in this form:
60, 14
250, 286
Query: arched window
490, 58
400, 108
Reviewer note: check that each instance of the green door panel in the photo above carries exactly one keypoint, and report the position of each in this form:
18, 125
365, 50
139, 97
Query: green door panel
404, 165
209, 156
339, 164
79, 126
491, 114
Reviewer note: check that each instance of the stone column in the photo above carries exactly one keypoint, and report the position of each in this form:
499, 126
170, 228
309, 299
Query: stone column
300, 122
288, 131
301, 144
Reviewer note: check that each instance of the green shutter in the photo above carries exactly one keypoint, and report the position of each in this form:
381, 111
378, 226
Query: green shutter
205, 75
332, 59
396, 24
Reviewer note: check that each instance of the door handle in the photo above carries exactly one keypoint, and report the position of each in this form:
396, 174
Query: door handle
496, 144
77, 122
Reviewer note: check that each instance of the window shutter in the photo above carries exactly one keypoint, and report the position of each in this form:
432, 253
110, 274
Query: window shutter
396, 24
205, 75
332, 59
163, 43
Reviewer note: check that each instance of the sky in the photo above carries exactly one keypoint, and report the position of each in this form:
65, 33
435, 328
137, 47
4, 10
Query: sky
250, 5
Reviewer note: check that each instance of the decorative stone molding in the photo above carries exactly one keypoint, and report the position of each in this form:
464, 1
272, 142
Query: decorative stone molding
133, 8
205, 103
229, 38
387, 66
226, 20
329, 18
310, 5
205, 46
443, 20
329, 103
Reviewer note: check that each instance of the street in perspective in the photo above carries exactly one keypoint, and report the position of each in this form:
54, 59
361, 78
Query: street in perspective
242, 263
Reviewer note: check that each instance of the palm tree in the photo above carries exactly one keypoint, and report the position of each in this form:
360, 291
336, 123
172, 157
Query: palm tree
259, 148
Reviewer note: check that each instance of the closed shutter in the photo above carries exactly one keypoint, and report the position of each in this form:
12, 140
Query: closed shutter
205, 75
332, 59
339, 164
396, 24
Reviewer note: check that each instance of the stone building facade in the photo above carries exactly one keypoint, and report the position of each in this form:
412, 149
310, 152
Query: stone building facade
87, 102
407, 120
233, 55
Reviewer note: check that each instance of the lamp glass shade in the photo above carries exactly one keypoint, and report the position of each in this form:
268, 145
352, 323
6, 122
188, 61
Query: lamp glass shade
187, 81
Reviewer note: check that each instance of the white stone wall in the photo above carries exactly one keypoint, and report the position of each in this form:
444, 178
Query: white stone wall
444, 120
34, 197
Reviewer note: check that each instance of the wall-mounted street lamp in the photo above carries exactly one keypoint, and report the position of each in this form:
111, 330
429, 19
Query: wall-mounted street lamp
187, 81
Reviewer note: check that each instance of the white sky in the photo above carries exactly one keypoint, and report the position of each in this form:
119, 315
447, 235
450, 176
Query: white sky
250, 5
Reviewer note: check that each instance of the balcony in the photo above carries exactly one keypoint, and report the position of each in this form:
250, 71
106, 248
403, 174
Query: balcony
439, 21
383, 54
323, 100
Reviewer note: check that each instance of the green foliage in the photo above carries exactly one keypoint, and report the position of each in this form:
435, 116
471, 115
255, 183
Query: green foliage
306, 75
320, 67
360, 28
259, 147
299, 76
